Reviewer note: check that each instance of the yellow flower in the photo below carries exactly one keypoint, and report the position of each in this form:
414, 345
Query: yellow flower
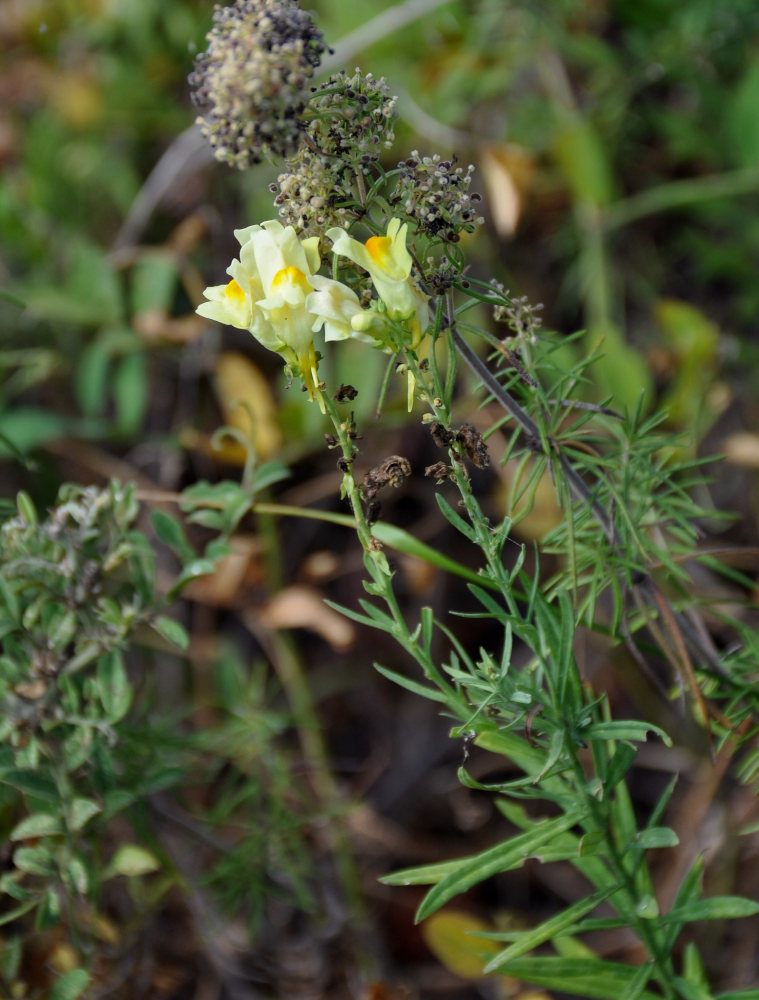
388, 262
276, 294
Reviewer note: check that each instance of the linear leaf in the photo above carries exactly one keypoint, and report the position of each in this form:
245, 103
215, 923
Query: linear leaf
582, 977
548, 929
501, 858
423, 874
455, 519
624, 729
421, 689
715, 908
636, 986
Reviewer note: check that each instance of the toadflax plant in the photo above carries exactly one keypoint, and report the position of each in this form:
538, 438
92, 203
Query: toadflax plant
375, 254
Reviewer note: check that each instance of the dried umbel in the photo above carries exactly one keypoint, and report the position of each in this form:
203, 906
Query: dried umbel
351, 120
518, 314
434, 193
251, 82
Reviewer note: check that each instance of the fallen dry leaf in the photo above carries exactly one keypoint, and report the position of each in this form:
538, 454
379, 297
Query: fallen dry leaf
301, 607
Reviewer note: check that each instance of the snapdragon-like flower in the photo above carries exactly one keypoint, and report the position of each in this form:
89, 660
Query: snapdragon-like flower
388, 262
276, 293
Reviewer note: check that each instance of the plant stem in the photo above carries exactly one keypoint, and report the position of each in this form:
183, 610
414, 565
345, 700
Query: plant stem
676, 194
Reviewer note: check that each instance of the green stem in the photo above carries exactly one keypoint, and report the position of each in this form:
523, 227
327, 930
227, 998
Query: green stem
677, 194
625, 878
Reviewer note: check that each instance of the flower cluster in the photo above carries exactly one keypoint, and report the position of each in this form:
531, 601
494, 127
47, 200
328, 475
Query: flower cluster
353, 118
251, 82
518, 314
351, 121
314, 194
389, 265
277, 294
434, 194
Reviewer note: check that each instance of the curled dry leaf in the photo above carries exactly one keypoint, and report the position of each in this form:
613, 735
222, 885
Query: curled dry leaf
301, 607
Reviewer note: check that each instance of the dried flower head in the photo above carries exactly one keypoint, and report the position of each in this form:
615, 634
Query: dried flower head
250, 83
351, 120
434, 193
314, 193
518, 314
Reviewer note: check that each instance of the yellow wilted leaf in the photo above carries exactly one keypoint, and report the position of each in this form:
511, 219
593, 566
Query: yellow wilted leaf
448, 936
508, 171
247, 402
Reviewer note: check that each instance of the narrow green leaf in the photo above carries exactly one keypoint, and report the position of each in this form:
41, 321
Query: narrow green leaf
421, 689
692, 991
635, 988
353, 615
423, 874
426, 617
688, 892
625, 729
715, 908
583, 977
619, 765
497, 859
455, 519
548, 929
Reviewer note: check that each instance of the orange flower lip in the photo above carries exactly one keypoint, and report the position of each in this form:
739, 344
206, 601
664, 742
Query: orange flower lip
379, 249
291, 276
